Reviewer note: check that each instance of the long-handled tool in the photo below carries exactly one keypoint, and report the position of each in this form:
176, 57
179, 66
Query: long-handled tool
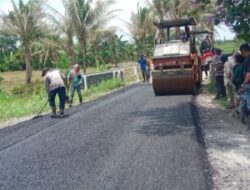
39, 113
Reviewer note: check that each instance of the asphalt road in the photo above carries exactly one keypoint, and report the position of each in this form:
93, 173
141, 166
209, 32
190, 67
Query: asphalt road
127, 140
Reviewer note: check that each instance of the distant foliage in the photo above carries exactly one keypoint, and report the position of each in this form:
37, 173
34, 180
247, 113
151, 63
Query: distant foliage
12, 62
8, 44
236, 14
63, 62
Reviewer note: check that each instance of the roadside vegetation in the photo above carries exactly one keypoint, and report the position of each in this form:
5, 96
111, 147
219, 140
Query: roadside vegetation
25, 100
227, 46
211, 87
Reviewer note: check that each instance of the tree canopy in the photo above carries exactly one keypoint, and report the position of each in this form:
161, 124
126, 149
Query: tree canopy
236, 14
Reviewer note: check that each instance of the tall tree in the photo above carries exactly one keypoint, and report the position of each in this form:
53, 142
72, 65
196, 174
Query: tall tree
48, 50
26, 21
64, 25
88, 16
161, 9
141, 27
235, 13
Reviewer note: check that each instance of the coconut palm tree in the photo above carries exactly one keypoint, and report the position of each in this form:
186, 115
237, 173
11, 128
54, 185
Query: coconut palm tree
26, 21
161, 10
175, 9
141, 27
64, 25
48, 50
88, 16
100, 41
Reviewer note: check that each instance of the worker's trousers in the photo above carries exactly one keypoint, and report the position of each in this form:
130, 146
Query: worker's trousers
61, 91
144, 74
72, 92
220, 87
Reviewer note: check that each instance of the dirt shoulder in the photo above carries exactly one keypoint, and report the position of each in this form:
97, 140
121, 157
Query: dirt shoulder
228, 145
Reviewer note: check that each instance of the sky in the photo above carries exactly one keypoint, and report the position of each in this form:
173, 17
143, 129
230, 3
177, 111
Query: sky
126, 7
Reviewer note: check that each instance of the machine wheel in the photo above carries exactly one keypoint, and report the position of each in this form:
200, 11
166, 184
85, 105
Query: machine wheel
157, 93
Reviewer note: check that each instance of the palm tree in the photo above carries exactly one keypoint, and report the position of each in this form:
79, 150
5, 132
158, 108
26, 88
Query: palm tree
141, 26
204, 15
88, 16
161, 10
64, 25
175, 9
48, 50
100, 41
26, 22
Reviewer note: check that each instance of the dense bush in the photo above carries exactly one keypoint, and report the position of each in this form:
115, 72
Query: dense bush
12, 62
104, 67
25, 90
16, 62
63, 62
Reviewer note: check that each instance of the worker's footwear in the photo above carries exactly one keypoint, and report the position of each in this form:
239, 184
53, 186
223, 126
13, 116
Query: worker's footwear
216, 98
70, 102
61, 112
80, 100
53, 113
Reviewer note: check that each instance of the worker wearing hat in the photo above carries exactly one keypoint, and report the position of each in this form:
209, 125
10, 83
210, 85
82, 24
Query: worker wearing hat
54, 84
75, 81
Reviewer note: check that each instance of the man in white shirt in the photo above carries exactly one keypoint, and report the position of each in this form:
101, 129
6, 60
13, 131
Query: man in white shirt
55, 84
228, 73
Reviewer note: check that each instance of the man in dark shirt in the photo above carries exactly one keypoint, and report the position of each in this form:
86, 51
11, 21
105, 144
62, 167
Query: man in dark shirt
218, 70
143, 64
245, 52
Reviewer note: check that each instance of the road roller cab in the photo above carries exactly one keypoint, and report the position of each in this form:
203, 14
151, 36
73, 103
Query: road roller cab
176, 64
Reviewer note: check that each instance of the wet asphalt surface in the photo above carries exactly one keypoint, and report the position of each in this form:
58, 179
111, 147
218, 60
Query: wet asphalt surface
127, 140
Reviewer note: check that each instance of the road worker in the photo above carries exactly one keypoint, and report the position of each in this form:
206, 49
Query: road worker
55, 84
143, 65
75, 79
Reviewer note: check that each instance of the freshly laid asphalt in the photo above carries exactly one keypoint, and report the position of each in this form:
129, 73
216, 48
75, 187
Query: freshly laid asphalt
129, 140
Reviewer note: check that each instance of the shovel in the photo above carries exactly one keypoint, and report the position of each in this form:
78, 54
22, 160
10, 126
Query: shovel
39, 113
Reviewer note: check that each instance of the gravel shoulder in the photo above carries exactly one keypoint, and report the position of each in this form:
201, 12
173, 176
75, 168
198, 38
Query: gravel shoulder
228, 145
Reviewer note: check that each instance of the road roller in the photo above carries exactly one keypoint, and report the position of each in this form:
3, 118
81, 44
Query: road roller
176, 62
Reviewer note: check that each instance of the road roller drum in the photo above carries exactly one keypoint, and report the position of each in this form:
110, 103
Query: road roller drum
173, 82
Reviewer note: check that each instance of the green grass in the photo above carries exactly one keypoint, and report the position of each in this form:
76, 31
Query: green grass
223, 102
19, 105
212, 90
18, 99
212, 87
228, 46
24, 100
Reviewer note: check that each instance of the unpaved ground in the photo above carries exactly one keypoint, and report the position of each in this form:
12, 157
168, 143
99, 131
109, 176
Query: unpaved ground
228, 145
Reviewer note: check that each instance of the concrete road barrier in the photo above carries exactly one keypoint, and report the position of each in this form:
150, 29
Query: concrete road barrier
97, 78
